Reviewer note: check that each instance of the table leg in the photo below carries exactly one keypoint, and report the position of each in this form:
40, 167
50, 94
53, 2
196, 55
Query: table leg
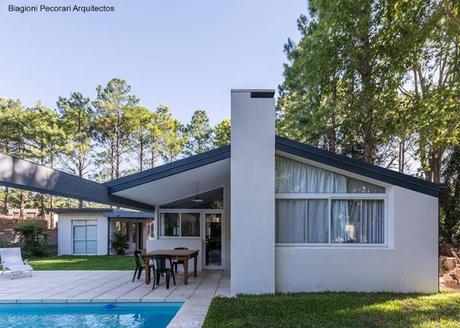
185, 271
195, 265
147, 272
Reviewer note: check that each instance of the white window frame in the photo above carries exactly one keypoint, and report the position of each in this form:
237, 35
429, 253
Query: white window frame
339, 196
84, 222
180, 211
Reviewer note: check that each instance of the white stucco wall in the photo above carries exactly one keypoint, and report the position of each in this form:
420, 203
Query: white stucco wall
409, 264
252, 194
226, 238
65, 231
171, 243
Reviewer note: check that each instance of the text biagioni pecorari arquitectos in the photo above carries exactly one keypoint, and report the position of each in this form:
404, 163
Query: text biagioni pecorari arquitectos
62, 9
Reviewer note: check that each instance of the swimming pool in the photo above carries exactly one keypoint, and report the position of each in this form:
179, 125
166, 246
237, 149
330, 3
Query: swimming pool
88, 315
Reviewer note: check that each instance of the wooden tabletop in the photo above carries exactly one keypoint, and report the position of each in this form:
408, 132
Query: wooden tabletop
172, 252
178, 254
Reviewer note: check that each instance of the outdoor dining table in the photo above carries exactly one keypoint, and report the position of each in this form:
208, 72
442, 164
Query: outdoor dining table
177, 254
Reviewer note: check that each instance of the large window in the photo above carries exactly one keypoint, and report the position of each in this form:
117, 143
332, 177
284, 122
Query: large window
180, 224
84, 236
316, 206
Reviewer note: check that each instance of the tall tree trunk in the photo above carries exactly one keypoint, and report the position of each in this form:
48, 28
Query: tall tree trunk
21, 204
332, 135
141, 154
6, 200
366, 96
402, 155
457, 191
112, 159
80, 174
435, 165
369, 138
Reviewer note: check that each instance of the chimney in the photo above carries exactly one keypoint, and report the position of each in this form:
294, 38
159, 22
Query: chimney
253, 191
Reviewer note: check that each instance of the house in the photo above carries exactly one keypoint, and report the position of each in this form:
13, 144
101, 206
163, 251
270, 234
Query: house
89, 231
277, 214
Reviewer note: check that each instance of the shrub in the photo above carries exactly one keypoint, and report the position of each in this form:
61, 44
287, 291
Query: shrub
4, 243
119, 243
34, 237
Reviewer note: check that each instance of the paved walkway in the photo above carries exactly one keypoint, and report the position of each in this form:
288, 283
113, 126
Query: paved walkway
116, 286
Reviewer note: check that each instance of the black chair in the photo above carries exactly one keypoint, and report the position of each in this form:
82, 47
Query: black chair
140, 266
161, 262
176, 262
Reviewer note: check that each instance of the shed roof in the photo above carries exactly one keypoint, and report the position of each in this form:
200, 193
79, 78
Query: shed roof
287, 146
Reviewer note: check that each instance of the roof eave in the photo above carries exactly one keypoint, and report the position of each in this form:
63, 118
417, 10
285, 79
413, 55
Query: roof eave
358, 167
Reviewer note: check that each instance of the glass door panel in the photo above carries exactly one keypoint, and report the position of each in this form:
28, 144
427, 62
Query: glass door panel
213, 241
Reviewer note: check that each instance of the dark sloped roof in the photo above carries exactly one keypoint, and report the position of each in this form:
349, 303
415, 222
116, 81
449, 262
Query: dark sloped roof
169, 169
358, 167
23, 174
78, 209
288, 146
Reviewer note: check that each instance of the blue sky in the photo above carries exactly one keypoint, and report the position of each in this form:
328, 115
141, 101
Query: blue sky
186, 54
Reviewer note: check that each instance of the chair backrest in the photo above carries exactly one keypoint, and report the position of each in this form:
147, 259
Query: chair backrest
11, 256
137, 258
180, 248
454, 253
161, 261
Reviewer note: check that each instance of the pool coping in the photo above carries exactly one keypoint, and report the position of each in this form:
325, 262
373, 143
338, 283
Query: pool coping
91, 301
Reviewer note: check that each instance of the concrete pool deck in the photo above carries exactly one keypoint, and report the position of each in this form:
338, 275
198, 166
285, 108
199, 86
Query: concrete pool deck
116, 286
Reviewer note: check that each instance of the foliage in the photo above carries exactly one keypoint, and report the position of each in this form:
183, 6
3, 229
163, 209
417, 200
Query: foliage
450, 201
199, 134
110, 136
34, 237
112, 125
76, 119
367, 76
4, 243
222, 133
119, 242
106, 262
379, 81
335, 310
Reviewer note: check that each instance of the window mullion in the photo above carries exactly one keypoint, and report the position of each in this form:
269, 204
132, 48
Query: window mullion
329, 219
305, 230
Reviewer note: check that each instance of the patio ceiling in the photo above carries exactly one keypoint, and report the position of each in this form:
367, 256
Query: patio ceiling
180, 185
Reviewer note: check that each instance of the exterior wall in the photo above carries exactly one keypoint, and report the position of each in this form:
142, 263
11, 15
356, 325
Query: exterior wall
171, 243
252, 194
227, 240
408, 264
65, 231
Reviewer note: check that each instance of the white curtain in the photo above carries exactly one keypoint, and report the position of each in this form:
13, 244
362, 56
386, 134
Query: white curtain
290, 220
372, 222
358, 221
317, 225
296, 177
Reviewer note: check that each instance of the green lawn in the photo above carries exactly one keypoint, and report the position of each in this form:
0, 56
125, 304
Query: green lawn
84, 263
336, 310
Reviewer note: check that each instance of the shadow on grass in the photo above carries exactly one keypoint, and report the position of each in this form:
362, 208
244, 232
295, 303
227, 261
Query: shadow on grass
336, 310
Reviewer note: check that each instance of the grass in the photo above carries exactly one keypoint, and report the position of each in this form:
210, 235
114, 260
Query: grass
336, 310
83, 263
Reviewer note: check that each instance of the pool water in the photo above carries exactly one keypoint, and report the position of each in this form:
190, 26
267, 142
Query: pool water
88, 315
